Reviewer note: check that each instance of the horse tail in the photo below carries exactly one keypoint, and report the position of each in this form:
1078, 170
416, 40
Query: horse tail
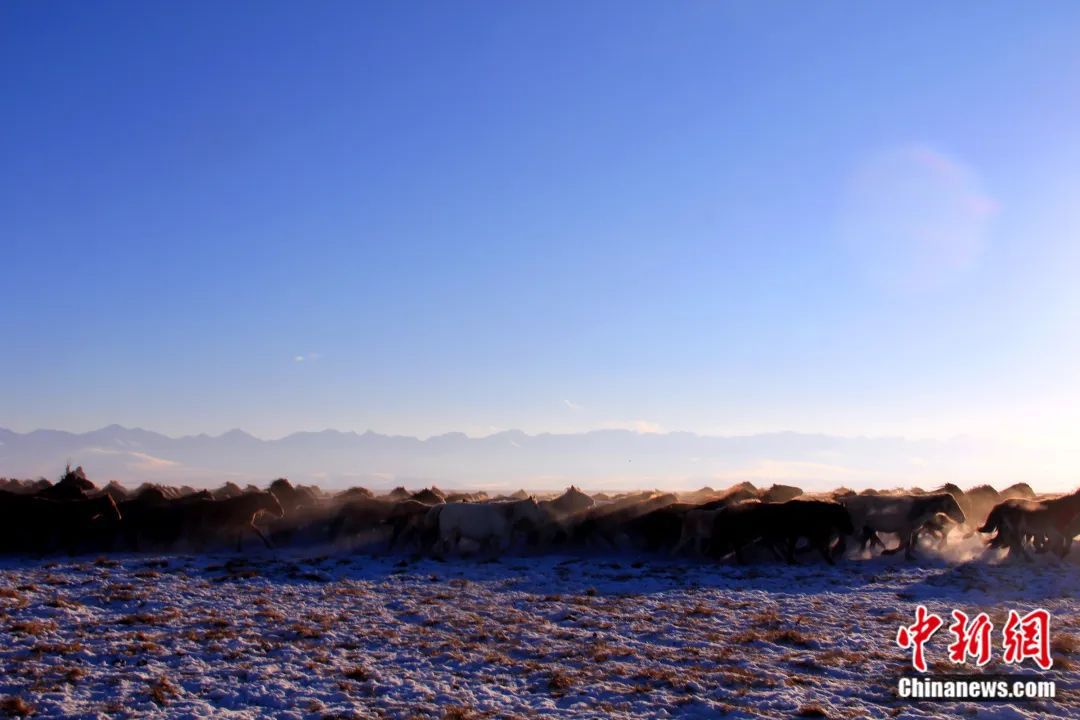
993, 521
430, 526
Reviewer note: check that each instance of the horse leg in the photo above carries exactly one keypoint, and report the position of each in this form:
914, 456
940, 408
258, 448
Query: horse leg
909, 545
822, 544
790, 549
1057, 544
398, 527
905, 538
739, 554
870, 536
684, 539
1016, 546
840, 547
262, 537
865, 540
500, 544
944, 539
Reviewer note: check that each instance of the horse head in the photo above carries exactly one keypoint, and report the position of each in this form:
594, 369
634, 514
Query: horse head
104, 508
268, 503
947, 504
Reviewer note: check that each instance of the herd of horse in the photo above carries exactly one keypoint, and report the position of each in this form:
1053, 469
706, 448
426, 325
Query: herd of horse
75, 516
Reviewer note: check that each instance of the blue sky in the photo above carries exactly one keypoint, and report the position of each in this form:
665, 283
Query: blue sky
856, 218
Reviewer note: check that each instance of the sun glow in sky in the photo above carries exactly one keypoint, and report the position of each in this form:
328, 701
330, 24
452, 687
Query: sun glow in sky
854, 219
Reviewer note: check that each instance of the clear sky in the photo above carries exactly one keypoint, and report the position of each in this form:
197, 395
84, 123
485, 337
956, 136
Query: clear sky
723, 217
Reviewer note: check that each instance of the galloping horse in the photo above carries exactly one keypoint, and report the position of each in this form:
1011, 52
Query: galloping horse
489, 524
205, 520
901, 514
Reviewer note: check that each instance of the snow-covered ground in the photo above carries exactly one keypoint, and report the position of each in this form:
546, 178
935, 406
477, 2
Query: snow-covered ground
293, 635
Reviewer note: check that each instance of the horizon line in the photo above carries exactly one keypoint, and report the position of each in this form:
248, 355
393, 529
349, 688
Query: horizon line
630, 431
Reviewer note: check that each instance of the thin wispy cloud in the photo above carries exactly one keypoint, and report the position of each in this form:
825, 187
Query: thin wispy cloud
309, 357
572, 405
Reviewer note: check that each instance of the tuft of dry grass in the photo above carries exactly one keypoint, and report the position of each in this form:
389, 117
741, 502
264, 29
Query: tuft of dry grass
559, 682
459, 712
788, 637
1065, 643
35, 628
74, 675
836, 656
16, 707
57, 648
306, 632
811, 711
147, 618
60, 602
162, 690
358, 672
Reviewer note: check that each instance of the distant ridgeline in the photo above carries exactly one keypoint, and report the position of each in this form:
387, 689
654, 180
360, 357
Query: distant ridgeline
616, 459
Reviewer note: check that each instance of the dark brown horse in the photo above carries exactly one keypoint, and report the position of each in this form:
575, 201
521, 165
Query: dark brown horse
820, 522
38, 525
205, 521
1049, 524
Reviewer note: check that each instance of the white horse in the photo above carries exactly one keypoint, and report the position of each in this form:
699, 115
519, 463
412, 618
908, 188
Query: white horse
904, 515
491, 525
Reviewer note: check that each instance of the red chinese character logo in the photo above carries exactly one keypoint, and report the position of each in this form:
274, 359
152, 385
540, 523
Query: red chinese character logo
916, 635
1028, 637
971, 638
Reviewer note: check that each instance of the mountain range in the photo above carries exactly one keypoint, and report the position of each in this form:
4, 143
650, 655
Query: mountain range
620, 459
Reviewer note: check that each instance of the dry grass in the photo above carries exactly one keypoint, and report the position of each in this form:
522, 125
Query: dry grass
36, 628
306, 632
839, 655
812, 711
16, 707
61, 602
1065, 643
358, 673
559, 682
146, 618
57, 648
788, 637
162, 691
73, 675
